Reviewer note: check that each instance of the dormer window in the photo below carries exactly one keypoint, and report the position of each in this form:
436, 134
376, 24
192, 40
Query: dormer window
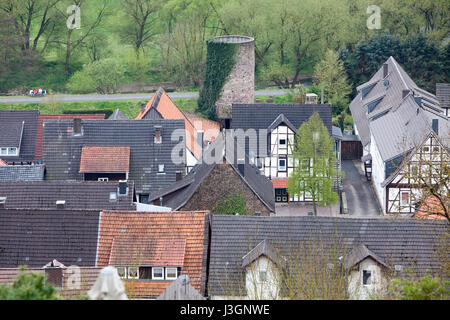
11, 151
171, 273
158, 273
367, 277
158, 138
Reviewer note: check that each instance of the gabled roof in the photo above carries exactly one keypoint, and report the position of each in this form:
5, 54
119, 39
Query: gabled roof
180, 289
360, 253
117, 115
22, 173
432, 208
12, 123
34, 237
147, 250
279, 120
86, 195
62, 150
105, 159
264, 248
408, 242
161, 105
390, 89
57, 117
192, 226
184, 189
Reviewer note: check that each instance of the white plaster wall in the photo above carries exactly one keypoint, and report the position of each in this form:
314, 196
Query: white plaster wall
262, 290
378, 167
378, 286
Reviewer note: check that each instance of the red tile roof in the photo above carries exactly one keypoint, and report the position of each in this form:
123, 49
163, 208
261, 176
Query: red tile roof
193, 123
3, 163
105, 159
45, 117
431, 208
148, 250
191, 226
280, 183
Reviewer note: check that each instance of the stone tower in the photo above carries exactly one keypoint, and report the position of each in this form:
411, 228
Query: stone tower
240, 84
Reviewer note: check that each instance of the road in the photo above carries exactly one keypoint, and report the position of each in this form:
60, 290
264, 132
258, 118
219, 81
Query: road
113, 97
361, 199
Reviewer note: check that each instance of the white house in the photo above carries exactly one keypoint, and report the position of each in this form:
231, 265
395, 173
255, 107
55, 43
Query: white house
395, 119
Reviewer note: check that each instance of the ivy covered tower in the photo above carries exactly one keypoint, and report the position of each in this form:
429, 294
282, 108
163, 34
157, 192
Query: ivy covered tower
229, 78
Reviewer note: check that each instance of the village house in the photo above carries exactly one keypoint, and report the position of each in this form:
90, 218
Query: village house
67, 195
199, 131
151, 250
270, 133
270, 257
119, 150
401, 127
217, 176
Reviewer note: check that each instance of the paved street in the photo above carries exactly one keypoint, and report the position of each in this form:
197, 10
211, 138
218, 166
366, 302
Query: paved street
361, 199
115, 97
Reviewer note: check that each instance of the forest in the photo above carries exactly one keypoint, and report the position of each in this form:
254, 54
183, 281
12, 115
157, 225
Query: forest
85, 46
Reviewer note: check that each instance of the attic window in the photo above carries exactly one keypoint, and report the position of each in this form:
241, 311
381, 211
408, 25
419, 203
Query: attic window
112, 196
262, 276
158, 273
133, 273
11, 151
158, 136
367, 277
171, 273
160, 168
282, 164
404, 199
103, 179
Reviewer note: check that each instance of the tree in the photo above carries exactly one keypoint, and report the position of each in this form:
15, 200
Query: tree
231, 204
330, 75
141, 21
102, 76
315, 160
29, 286
425, 288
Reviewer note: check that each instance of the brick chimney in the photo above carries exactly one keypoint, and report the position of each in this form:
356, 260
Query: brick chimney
77, 126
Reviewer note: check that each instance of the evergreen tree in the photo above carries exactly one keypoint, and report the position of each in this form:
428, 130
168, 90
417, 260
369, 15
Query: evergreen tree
314, 160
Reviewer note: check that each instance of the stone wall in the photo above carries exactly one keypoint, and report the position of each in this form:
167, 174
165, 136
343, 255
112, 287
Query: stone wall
223, 180
240, 84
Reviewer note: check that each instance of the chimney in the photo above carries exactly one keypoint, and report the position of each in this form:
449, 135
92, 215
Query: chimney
200, 138
60, 204
385, 70
435, 125
143, 104
123, 186
405, 93
77, 126
321, 96
54, 275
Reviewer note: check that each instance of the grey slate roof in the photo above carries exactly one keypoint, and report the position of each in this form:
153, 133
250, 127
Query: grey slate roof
77, 194
117, 115
22, 173
397, 123
62, 150
35, 237
358, 254
10, 127
407, 242
390, 89
184, 189
443, 94
264, 248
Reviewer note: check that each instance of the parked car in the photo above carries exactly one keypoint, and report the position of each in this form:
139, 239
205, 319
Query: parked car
37, 92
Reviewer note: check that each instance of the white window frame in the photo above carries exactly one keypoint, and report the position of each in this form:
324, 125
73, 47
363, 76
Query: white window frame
171, 269
3, 151
13, 153
133, 277
282, 168
159, 168
402, 203
370, 277
160, 136
125, 272
104, 179
113, 196
153, 273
